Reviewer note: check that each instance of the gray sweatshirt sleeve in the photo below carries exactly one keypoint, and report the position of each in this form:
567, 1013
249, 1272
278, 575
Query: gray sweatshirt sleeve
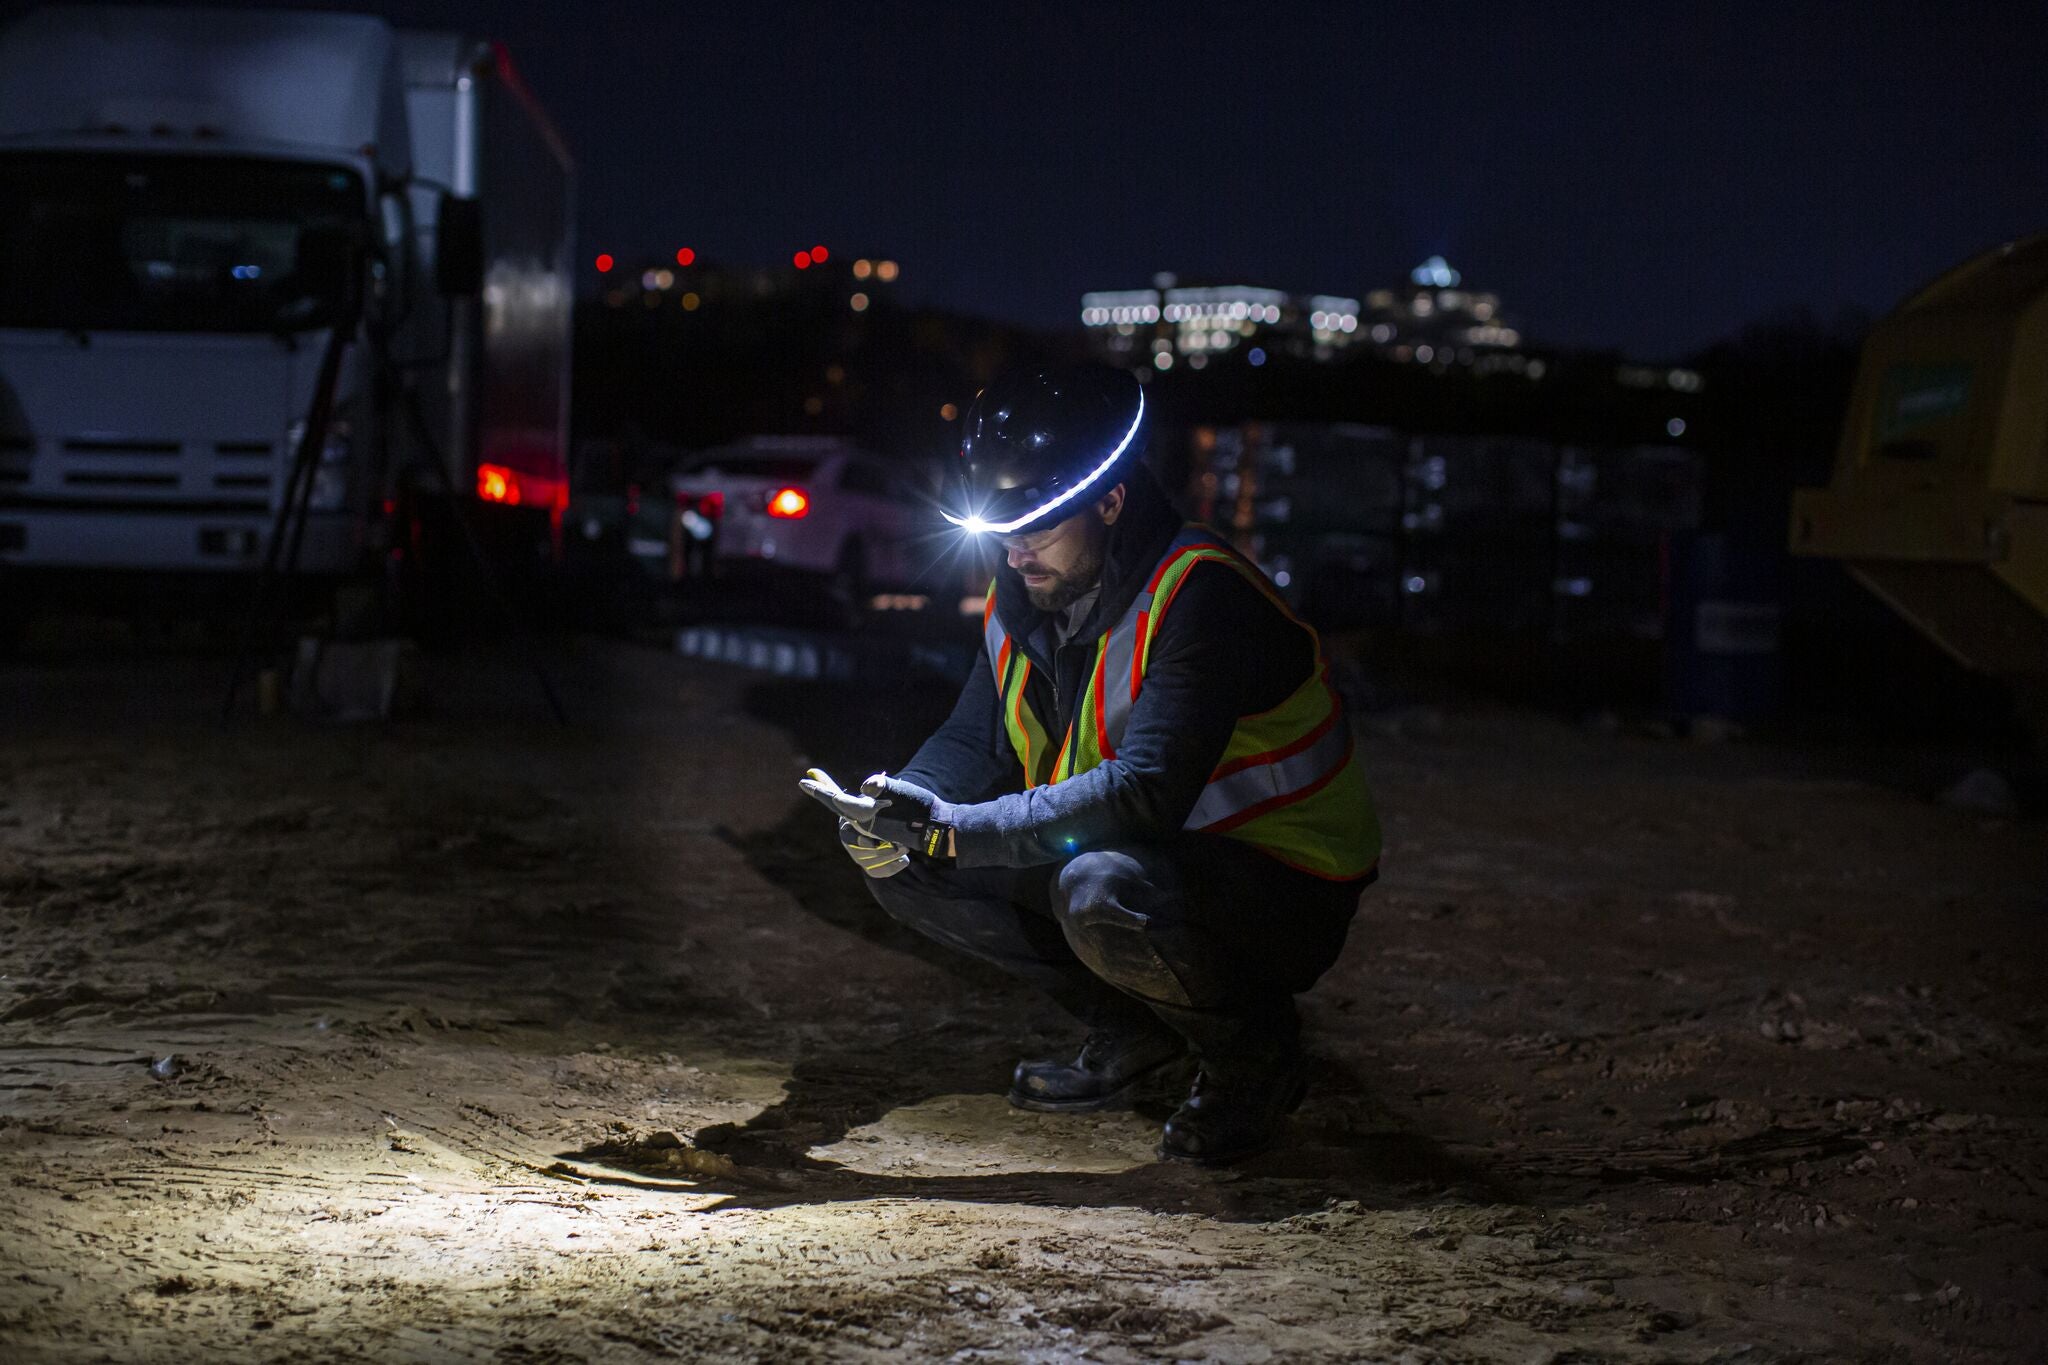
1222, 652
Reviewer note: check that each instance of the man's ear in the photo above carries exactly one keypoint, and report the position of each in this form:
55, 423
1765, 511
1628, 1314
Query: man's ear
1110, 505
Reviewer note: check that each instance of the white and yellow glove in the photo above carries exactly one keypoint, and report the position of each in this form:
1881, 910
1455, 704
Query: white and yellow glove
876, 857
870, 853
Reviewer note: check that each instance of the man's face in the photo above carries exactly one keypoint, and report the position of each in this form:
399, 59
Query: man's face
1061, 563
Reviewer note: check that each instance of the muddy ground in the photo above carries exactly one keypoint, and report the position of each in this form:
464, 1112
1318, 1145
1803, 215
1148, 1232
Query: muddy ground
470, 1039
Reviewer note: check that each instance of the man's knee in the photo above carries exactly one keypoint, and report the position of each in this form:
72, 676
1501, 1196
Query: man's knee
1120, 915
1102, 883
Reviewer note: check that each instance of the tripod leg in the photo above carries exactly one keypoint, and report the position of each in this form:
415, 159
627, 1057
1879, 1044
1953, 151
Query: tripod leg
289, 523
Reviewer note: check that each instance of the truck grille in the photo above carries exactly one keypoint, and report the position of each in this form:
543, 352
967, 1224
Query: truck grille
97, 446
140, 473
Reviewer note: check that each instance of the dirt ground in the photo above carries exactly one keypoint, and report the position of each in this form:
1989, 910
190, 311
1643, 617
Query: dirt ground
471, 1039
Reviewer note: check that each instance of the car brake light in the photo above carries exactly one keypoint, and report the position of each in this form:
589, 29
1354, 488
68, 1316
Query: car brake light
789, 503
712, 505
495, 483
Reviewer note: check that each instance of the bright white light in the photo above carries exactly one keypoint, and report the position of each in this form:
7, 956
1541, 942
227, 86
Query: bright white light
1435, 271
974, 525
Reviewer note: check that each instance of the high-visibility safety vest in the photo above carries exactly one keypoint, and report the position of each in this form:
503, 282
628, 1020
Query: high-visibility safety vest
1288, 782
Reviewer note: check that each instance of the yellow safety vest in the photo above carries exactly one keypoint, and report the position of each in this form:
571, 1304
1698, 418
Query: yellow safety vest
1288, 783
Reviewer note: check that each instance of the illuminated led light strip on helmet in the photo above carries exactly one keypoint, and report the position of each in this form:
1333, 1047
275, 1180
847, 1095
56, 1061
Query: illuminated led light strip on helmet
974, 525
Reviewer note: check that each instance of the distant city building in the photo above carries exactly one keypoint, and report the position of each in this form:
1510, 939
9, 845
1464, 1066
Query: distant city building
1433, 321
1171, 324
1430, 321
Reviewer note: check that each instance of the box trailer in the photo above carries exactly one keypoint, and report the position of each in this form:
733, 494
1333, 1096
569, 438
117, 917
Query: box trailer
207, 216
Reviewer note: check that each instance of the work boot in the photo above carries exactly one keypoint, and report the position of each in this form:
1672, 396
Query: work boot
1115, 1061
1233, 1114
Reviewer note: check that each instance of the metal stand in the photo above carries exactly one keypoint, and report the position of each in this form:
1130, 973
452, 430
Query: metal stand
288, 529
290, 522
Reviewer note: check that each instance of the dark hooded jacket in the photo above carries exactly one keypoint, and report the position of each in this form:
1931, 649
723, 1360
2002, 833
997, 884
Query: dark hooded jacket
1223, 651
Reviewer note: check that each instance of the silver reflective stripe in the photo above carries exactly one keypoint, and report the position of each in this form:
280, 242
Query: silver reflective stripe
993, 636
1123, 641
1116, 672
1241, 790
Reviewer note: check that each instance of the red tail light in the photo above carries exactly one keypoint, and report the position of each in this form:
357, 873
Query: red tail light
494, 483
789, 503
712, 505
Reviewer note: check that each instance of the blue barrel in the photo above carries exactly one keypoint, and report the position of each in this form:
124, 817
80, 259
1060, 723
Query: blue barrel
1722, 649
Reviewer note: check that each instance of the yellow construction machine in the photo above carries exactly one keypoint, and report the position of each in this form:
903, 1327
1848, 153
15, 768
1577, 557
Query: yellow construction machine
1939, 498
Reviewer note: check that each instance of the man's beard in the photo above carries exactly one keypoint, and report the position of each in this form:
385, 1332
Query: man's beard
1069, 587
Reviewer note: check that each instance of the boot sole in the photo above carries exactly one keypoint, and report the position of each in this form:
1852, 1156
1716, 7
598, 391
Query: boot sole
1120, 1098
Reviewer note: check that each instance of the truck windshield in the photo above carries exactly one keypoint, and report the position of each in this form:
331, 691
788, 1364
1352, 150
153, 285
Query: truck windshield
116, 241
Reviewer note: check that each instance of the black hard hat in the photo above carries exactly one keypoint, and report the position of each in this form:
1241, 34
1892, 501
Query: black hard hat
1039, 441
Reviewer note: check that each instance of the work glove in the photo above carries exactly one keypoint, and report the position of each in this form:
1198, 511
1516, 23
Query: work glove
871, 855
908, 815
887, 809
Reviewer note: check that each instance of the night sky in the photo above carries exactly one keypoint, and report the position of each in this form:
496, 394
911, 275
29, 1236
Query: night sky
1651, 178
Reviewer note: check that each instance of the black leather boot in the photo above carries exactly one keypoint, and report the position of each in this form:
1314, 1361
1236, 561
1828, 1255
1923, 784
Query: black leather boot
1236, 1112
1117, 1060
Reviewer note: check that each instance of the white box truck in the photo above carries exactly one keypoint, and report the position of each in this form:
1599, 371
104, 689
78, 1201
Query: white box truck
195, 205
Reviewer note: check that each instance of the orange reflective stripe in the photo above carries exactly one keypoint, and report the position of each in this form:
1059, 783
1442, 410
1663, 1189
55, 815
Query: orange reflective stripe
1138, 653
1245, 795
1020, 730
1108, 750
1287, 751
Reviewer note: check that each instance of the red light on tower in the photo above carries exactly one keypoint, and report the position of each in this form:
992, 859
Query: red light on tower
819, 255
604, 262
803, 260
685, 256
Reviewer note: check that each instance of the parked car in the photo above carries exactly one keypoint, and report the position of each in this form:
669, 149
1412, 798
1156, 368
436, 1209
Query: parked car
810, 511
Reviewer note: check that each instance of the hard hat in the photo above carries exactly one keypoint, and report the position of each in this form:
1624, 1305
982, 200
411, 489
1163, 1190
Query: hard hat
1038, 442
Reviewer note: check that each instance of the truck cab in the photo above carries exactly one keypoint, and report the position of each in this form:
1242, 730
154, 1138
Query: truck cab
199, 205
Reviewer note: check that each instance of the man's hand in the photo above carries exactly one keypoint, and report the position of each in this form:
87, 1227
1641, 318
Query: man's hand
873, 856
819, 786
908, 815
884, 821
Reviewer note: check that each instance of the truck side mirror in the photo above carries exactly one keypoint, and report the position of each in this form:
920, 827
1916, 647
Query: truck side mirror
459, 247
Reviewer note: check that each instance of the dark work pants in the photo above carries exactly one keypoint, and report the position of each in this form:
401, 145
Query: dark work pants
1205, 933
